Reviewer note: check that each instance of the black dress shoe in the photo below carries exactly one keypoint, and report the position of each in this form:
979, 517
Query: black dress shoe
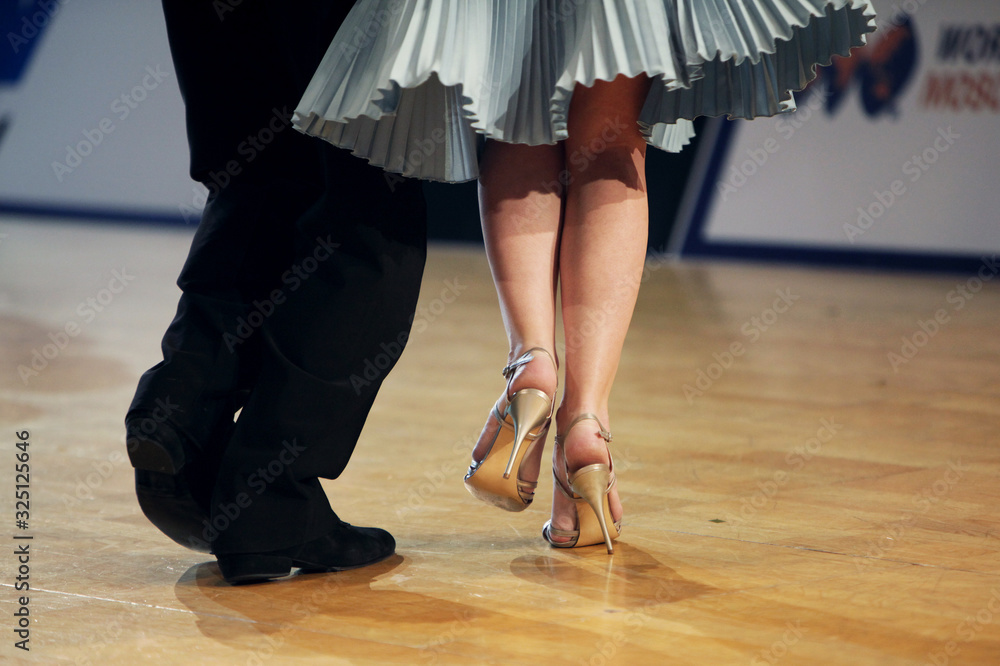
174, 478
344, 547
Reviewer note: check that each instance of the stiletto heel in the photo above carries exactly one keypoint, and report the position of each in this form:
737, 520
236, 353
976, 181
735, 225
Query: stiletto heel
589, 488
529, 409
592, 483
524, 420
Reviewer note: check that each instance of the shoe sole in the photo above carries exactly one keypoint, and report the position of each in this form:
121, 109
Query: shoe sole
247, 568
162, 490
155, 456
499, 501
174, 512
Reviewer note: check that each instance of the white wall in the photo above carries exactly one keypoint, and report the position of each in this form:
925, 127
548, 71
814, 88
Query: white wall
798, 181
70, 100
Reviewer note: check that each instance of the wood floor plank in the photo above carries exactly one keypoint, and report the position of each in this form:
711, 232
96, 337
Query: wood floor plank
813, 501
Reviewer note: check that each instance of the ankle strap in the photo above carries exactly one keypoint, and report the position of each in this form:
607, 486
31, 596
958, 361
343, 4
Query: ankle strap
525, 358
561, 438
588, 416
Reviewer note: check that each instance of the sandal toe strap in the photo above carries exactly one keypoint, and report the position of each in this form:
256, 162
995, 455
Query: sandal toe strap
562, 534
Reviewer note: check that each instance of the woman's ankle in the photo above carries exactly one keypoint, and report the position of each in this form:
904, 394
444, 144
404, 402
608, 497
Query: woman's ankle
538, 373
583, 443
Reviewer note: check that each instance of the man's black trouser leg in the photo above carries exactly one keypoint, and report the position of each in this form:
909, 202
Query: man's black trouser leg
240, 75
326, 353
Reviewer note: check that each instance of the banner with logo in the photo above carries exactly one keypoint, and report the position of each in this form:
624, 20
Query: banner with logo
891, 157
91, 119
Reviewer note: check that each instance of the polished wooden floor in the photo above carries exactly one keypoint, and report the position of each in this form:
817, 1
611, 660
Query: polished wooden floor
793, 493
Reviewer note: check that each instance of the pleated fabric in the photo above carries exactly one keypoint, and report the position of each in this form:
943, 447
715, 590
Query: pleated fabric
416, 86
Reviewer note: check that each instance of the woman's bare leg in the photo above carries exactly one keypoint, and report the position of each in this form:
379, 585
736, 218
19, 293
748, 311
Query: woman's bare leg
520, 198
601, 255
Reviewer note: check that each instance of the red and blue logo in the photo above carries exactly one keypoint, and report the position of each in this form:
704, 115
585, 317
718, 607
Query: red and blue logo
882, 71
961, 75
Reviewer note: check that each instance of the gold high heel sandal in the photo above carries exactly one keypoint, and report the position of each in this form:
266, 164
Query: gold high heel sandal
525, 418
588, 488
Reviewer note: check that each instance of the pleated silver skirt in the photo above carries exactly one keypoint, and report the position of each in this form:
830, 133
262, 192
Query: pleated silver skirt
416, 86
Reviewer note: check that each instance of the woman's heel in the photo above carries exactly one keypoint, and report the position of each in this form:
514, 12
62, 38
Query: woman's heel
588, 488
593, 483
523, 422
528, 409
